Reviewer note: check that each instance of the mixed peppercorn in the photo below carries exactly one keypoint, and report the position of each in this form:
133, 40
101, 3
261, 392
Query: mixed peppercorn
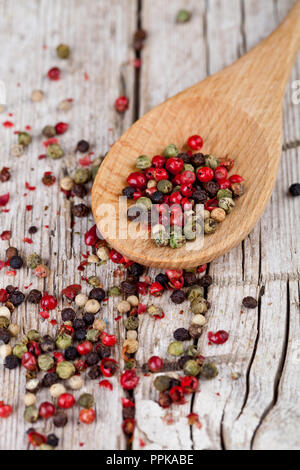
168, 189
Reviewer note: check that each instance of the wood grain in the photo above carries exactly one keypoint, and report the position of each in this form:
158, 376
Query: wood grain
262, 407
238, 113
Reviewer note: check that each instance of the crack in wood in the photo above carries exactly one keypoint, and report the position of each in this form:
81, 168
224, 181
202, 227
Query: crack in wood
291, 145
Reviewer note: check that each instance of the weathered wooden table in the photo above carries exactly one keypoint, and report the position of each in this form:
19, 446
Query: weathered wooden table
261, 409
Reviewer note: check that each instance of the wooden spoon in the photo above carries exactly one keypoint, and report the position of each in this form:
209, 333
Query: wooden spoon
238, 112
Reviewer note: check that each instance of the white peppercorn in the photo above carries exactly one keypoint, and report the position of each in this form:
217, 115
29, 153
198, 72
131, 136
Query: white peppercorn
75, 382
5, 312
93, 259
131, 346
131, 334
92, 306
66, 183
17, 150
123, 306
218, 214
29, 399
133, 300
37, 95
103, 253
199, 320
5, 350
81, 300
14, 329
56, 390
99, 325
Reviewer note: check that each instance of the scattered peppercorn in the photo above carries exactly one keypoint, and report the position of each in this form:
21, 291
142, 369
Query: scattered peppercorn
249, 302
295, 189
83, 146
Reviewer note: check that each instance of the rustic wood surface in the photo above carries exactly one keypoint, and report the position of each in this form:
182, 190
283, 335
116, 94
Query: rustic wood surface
261, 409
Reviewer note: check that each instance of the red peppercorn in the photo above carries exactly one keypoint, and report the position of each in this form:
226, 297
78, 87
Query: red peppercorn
3, 295
59, 357
189, 384
176, 217
106, 384
202, 268
54, 73
187, 190
221, 174
195, 142
122, 104
156, 289
48, 302
5, 410
84, 348
176, 180
46, 410
71, 291
108, 367
174, 273
137, 194
66, 400
87, 416
61, 127
176, 198
187, 177
115, 257
137, 180
236, 179
174, 166
91, 237
177, 395
128, 426
186, 204
211, 204
126, 403
108, 340
160, 174
129, 379
205, 174
142, 288
36, 439
225, 184
34, 348
158, 161
29, 361
149, 173
80, 365
218, 338
155, 364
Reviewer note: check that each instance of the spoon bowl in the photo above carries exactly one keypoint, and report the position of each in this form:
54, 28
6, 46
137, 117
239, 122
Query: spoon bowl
238, 113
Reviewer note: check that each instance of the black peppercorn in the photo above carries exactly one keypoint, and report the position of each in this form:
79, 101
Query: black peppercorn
157, 197
83, 146
80, 335
103, 351
10, 252
34, 296
4, 335
92, 359
97, 294
78, 324
94, 372
60, 419
32, 230
178, 297
162, 279
189, 279
211, 187
198, 159
88, 318
249, 302
80, 210
128, 413
11, 362
68, 314
134, 212
164, 399
47, 344
10, 289
16, 262
174, 383
17, 298
136, 269
128, 192
79, 190
50, 379
52, 440
71, 353
129, 287
295, 190
181, 334
185, 157
200, 196
182, 361
205, 281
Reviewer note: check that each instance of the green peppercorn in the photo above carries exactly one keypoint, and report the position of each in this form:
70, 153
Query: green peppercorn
4, 322
45, 362
31, 414
161, 241
94, 171
54, 151
183, 16
162, 383
130, 364
224, 193
177, 240
33, 260
192, 351
92, 335
194, 292
176, 348
49, 131
189, 167
155, 310
144, 202
191, 368
143, 162
19, 350
227, 204
132, 323
212, 162
209, 370
199, 305
63, 341
65, 370
171, 151
191, 231
82, 175
24, 138
94, 281
33, 335
114, 291
63, 51
86, 400
164, 186
45, 447
210, 226
238, 189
